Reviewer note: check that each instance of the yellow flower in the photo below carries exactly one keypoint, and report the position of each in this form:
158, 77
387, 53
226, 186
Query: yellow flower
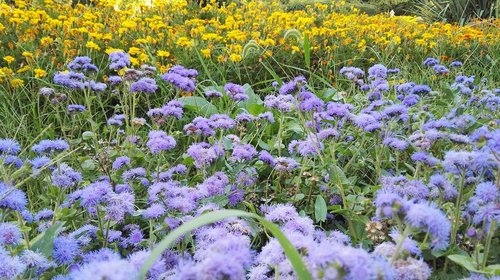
162, 53
206, 53
9, 59
16, 83
23, 69
110, 50
134, 61
235, 57
27, 54
134, 50
40, 73
45, 41
92, 45
221, 58
184, 42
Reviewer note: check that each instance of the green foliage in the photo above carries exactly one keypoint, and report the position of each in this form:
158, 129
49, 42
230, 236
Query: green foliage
460, 11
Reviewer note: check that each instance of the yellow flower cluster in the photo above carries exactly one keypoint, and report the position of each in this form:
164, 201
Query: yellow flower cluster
47, 35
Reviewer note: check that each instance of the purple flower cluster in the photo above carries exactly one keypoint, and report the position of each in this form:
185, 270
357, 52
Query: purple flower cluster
181, 78
159, 141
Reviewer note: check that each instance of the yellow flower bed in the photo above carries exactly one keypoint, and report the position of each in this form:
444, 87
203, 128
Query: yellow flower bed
173, 31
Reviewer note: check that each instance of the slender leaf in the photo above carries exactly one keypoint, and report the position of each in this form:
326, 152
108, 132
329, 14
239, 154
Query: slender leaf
307, 51
211, 217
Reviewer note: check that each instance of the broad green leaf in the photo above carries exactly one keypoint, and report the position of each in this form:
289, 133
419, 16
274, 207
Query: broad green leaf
320, 210
199, 104
211, 217
44, 242
465, 261
252, 98
88, 165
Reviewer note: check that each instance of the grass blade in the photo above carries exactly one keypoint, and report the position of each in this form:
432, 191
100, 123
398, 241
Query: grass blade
208, 218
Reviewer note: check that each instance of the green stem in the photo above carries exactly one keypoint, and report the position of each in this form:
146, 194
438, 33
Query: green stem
399, 246
487, 246
458, 205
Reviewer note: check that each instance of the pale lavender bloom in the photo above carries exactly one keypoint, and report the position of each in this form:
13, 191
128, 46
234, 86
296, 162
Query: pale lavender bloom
244, 117
115, 80
12, 266
243, 152
12, 198
159, 141
154, 211
440, 69
184, 83
66, 250
185, 72
120, 162
50, 146
235, 92
377, 71
456, 64
10, 234
404, 88
430, 61
425, 158
203, 154
395, 143
96, 86
486, 192
366, 122
116, 120
119, 60
9, 147
71, 80
411, 100
335, 109
283, 103
441, 186
134, 173
113, 269
266, 116
420, 89
352, 73
64, 176
429, 219
311, 103
213, 94
75, 108
327, 133
266, 157
145, 85
390, 204
221, 121
199, 126
285, 164
311, 146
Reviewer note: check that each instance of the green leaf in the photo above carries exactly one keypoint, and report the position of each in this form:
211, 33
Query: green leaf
307, 51
465, 261
88, 165
44, 242
493, 269
199, 104
320, 209
252, 98
211, 217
